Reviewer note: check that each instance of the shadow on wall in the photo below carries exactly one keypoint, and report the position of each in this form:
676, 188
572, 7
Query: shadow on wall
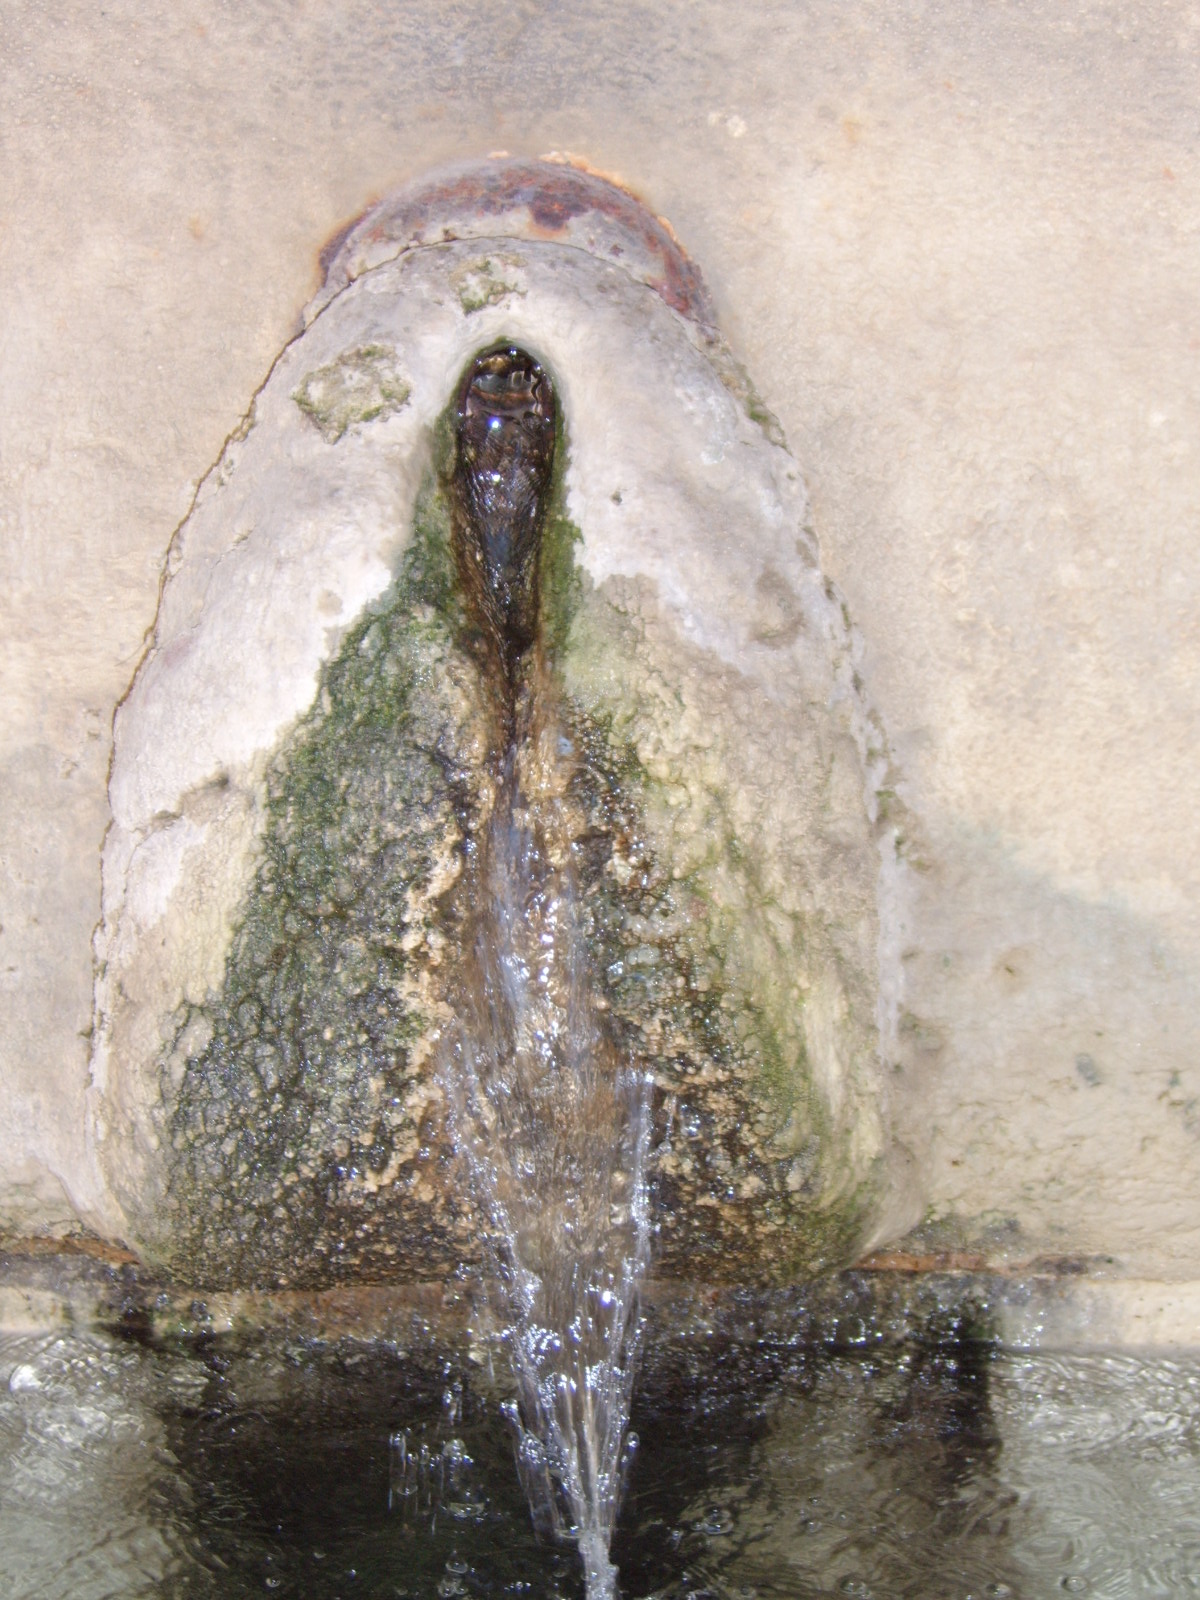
1051, 1047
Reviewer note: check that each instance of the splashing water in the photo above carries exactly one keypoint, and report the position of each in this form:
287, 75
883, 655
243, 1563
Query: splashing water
554, 1129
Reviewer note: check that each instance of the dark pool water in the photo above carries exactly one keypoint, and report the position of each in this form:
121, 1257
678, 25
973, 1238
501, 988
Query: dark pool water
768, 1467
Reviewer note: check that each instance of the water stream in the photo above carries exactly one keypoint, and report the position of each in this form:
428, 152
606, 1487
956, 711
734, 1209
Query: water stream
554, 1132
551, 1122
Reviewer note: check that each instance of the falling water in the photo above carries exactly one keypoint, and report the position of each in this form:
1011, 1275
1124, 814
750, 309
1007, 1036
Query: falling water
551, 1121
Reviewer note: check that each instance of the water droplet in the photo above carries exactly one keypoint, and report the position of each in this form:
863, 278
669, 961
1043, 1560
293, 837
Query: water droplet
716, 1522
1075, 1584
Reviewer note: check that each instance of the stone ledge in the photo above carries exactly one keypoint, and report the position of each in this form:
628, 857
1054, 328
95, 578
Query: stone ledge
47, 1285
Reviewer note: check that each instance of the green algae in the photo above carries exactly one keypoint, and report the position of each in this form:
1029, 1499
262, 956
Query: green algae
731, 993
560, 581
482, 282
361, 385
742, 387
298, 1103
748, 1188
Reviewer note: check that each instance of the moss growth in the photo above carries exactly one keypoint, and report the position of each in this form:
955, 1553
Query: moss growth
482, 282
721, 1013
560, 581
297, 1104
739, 383
359, 386
742, 1189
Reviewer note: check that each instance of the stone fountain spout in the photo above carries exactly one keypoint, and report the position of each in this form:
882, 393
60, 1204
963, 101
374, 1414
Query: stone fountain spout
503, 593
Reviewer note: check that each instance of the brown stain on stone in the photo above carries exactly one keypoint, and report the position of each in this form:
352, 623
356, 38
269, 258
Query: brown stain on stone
328, 252
72, 1244
552, 193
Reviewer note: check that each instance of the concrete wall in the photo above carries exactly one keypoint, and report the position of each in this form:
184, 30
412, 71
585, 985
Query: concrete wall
956, 246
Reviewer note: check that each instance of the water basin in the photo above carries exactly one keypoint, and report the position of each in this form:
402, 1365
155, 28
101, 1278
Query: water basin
824, 1457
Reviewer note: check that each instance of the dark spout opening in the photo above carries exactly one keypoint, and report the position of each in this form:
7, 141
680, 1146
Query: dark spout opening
502, 475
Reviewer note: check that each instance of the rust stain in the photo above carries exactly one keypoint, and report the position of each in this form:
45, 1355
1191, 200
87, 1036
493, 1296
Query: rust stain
935, 1261
553, 192
328, 251
913, 1262
75, 1244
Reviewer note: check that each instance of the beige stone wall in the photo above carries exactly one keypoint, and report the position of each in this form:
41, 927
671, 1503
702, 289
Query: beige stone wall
956, 247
